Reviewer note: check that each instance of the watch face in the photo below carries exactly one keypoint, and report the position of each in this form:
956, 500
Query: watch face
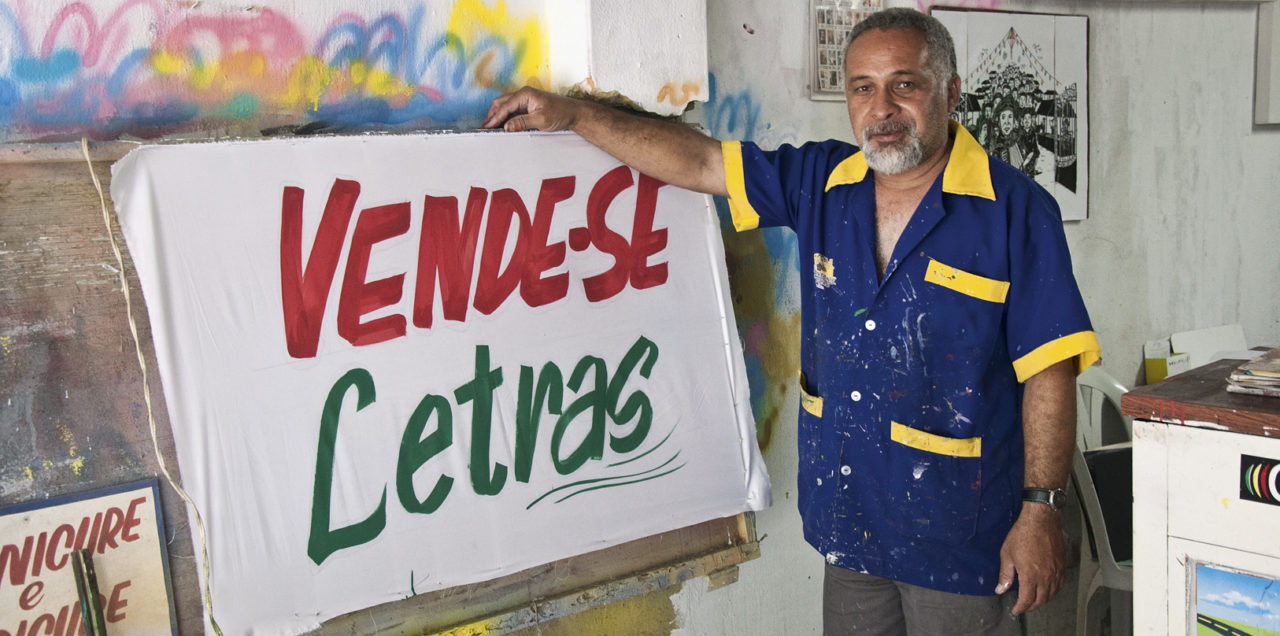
1057, 499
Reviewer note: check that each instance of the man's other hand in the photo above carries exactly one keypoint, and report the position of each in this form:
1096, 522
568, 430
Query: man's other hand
532, 109
1034, 552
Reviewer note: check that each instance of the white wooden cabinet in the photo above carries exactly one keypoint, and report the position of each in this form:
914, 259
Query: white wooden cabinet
1199, 458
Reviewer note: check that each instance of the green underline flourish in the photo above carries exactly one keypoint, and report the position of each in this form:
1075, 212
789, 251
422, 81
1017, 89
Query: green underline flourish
602, 479
655, 447
623, 483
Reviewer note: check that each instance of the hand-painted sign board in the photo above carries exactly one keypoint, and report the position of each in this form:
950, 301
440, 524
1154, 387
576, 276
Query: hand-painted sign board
123, 530
396, 364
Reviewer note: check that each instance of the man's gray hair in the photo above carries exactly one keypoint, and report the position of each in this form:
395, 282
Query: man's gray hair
938, 42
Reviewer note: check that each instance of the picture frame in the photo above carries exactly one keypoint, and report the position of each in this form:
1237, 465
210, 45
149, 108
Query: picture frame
1227, 598
1025, 94
830, 22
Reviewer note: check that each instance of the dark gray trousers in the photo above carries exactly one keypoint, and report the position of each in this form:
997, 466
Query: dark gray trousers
865, 605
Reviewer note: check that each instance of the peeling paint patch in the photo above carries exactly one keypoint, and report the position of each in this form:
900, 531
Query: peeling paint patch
39, 329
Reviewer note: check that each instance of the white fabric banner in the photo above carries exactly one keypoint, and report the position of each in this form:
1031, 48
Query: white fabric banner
395, 364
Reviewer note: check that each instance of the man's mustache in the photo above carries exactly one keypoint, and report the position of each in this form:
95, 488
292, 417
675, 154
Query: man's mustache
888, 127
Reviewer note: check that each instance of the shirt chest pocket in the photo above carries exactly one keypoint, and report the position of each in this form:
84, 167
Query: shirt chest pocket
959, 318
935, 484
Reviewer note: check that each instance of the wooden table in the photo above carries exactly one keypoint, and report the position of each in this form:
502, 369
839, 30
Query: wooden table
1193, 444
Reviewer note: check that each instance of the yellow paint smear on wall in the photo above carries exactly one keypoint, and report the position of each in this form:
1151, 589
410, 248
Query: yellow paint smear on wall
69, 438
378, 82
651, 614
308, 81
479, 628
471, 18
679, 96
243, 67
166, 63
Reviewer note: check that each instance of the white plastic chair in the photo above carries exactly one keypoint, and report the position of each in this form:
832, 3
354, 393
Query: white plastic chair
1095, 390
1098, 565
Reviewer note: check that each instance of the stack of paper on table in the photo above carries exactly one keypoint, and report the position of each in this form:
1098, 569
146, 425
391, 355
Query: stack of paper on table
1259, 376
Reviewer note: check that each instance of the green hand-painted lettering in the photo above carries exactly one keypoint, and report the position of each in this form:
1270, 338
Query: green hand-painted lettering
636, 402
537, 394
529, 412
322, 541
479, 391
592, 446
416, 451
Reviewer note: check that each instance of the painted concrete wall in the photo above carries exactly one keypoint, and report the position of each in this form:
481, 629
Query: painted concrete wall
1183, 216
151, 68
148, 68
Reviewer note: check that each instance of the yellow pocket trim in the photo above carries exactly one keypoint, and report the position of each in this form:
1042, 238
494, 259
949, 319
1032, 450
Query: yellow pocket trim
1082, 344
810, 403
744, 216
928, 442
979, 287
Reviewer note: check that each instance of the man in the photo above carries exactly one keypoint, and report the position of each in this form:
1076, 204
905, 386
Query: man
941, 331
1006, 146
1029, 145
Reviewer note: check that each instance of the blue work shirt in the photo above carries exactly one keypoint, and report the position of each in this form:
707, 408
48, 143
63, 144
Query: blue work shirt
910, 427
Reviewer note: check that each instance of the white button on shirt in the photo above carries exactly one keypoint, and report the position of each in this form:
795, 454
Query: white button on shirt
870, 325
856, 395
845, 470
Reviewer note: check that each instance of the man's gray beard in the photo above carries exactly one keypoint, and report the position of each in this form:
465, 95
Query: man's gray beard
897, 158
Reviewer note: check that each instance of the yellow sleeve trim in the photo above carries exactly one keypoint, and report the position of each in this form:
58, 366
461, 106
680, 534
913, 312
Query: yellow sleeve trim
744, 216
980, 287
1083, 345
810, 403
930, 443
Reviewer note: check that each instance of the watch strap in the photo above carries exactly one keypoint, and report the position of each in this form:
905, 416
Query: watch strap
1054, 498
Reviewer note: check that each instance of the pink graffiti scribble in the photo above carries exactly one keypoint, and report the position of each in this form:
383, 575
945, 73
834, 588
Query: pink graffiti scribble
265, 32
82, 33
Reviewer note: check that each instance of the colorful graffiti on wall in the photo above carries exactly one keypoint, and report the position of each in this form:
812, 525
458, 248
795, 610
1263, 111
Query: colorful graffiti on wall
760, 265
152, 67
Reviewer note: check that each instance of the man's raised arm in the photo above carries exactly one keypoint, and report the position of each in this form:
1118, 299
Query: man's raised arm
663, 150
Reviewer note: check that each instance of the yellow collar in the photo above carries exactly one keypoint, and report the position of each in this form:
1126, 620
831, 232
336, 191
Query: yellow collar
968, 169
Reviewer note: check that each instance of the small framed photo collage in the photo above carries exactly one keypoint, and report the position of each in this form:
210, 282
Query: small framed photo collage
832, 20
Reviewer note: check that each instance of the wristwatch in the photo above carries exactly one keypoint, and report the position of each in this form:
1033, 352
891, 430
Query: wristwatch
1056, 498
